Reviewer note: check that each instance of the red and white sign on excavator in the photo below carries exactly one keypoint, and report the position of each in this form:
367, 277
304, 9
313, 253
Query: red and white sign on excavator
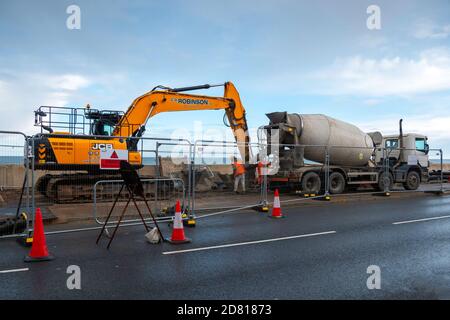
110, 159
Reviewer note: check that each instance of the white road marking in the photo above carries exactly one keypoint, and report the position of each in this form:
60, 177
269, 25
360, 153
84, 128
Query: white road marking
420, 220
250, 242
14, 270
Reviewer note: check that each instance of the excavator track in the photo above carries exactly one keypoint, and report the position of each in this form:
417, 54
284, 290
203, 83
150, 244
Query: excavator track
79, 188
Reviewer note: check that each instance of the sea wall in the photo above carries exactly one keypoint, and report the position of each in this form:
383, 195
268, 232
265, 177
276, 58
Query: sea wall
11, 175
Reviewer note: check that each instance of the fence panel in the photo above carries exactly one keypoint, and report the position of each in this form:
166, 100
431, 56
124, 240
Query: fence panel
160, 193
68, 181
433, 174
16, 215
200, 174
214, 184
349, 169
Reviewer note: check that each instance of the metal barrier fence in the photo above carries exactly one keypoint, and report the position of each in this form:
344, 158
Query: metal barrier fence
435, 174
304, 181
199, 174
16, 197
161, 193
223, 150
374, 174
56, 186
394, 175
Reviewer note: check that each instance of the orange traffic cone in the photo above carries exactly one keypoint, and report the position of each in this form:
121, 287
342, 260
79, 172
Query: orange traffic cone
39, 251
178, 230
276, 210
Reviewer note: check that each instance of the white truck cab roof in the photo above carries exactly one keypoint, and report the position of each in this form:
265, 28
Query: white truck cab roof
405, 135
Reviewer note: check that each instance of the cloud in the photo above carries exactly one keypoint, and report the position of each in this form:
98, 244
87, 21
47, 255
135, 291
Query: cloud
372, 102
69, 82
437, 126
22, 93
434, 127
426, 29
429, 72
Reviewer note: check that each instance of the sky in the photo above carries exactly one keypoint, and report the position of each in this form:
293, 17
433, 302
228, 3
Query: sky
296, 56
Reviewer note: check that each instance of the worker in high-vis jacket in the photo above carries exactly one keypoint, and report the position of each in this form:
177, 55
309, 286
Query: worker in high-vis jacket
239, 174
261, 170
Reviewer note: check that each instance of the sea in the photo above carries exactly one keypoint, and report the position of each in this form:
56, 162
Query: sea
147, 160
152, 160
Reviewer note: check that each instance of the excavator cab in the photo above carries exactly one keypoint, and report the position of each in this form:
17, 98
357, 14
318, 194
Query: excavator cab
102, 123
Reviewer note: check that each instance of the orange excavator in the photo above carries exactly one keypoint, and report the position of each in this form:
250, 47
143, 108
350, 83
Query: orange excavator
76, 148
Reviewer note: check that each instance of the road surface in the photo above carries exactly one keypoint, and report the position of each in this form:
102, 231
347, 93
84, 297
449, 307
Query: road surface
316, 252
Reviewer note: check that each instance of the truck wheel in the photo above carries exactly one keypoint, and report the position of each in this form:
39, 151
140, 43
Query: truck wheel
385, 178
412, 181
337, 183
311, 183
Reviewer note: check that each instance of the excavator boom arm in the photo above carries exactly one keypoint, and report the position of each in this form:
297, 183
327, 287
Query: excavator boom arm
171, 100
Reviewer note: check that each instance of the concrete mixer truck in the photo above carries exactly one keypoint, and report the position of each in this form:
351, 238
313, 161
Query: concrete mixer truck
305, 142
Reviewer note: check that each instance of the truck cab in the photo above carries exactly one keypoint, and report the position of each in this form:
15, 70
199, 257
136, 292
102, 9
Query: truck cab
415, 149
407, 155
